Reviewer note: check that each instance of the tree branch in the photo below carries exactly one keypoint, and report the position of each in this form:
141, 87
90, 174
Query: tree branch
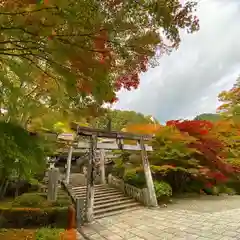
16, 55
19, 28
27, 12
17, 49
17, 41
32, 91
42, 70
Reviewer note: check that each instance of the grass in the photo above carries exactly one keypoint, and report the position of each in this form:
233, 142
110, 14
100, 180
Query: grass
37, 234
17, 234
49, 234
6, 203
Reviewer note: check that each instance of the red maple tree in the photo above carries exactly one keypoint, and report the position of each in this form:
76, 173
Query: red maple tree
211, 149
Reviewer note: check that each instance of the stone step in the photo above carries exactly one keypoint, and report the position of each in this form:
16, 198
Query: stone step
115, 204
119, 207
98, 186
84, 187
117, 212
95, 189
96, 192
105, 205
112, 199
106, 195
107, 200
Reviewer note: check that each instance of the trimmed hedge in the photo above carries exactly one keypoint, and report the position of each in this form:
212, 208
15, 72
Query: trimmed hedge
39, 200
33, 217
31, 200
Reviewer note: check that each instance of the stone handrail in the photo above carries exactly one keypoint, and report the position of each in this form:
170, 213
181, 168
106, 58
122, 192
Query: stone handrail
139, 194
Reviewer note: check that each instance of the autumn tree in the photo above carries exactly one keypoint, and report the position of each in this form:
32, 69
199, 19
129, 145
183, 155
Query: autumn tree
228, 132
230, 99
212, 149
76, 54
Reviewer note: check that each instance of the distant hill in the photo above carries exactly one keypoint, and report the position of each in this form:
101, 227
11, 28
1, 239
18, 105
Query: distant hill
212, 117
120, 119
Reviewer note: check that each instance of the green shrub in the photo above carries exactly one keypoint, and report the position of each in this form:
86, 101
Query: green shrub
3, 221
63, 202
214, 190
34, 185
134, 178
193, 186
118, 168
22, 186
230, 191
234, 185
163, 190
227, 190
34, 217
31, 200
48, 233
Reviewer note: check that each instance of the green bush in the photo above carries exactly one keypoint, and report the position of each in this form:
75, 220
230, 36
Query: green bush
118, 168
33, 217
63, 202
48, 233
163, 190
134, 178
22, 186
227, 190
3, 221
234, 185
214, 190
193, 186
34, 185
23, 155
31, 200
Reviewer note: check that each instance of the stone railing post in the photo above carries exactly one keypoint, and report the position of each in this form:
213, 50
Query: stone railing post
53, 178
109, 178
145, 196
122, 186
102, 167
148, 176
69, 162
79, 212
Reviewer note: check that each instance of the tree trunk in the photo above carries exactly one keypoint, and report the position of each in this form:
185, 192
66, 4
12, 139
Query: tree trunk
17, 190
3, 188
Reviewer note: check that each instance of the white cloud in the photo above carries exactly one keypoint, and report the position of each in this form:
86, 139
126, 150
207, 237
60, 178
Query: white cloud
206, 63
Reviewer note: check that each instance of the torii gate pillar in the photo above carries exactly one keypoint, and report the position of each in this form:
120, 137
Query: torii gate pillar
152, 199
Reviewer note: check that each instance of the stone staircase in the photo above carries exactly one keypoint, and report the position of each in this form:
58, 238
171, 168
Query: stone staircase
107, 201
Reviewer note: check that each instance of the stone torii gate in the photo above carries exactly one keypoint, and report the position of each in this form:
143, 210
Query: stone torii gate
94, 144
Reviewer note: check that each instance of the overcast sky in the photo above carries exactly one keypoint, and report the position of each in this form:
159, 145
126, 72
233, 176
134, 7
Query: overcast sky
188, 81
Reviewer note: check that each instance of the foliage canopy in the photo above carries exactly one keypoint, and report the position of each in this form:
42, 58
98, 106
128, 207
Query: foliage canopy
22, 154
66, 56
